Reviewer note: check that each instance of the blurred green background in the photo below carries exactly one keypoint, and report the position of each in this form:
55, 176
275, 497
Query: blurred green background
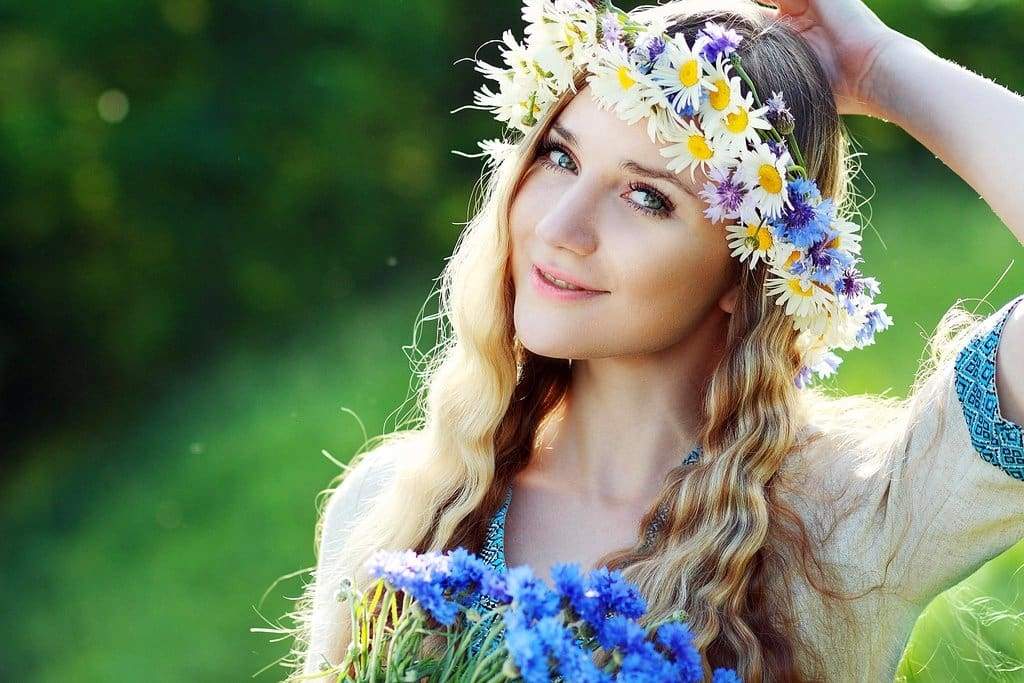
219, 222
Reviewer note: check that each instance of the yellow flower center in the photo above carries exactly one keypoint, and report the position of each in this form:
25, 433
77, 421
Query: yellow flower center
736, 122
720, 98
834, 243
625, 80
698, 147
688, 72
768, 177
797, 287
759, 237
794, 256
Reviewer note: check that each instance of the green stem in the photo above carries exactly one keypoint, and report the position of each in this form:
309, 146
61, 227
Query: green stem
791, 138
485, 661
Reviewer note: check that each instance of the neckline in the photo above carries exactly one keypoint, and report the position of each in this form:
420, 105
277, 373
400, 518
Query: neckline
496, 532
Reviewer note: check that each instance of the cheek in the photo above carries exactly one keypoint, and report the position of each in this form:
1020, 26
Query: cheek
679, 270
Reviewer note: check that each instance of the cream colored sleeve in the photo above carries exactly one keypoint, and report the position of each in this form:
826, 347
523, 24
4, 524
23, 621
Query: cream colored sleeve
954, 495
344, 508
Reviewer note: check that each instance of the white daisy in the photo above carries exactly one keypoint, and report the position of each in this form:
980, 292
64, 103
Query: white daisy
680, 73
740, 125
691, 149
617, 84
561, 42
833, 325
798, 293
849, 235
750, 240
816, 355
723, 94
765, 176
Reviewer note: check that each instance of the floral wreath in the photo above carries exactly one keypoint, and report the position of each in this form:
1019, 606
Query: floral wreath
690, 95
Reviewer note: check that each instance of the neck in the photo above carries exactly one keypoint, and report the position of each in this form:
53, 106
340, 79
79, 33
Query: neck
626, 421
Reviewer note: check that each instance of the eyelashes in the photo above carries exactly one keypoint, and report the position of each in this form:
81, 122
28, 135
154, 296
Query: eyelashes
664, 211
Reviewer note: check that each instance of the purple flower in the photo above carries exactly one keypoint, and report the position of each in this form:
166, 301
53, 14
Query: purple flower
723, 194
778, 114
611, 30
803, 377
828, 364
775, 103
720, 41
777, 148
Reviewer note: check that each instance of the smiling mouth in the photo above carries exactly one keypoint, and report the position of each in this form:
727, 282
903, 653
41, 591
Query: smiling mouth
563, 284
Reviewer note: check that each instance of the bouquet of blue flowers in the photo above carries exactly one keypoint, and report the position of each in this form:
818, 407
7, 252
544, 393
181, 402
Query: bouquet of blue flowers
496, 627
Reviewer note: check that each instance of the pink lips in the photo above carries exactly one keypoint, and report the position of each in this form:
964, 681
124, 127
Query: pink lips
549, 290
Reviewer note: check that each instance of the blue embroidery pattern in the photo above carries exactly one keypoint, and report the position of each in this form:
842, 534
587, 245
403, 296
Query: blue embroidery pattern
998, 440
493, 551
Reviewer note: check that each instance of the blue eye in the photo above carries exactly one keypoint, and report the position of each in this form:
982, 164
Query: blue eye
545, 154
657, 204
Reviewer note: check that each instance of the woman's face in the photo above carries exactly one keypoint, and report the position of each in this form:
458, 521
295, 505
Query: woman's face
586, 211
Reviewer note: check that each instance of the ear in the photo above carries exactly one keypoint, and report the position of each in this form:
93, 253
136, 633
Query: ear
728, 301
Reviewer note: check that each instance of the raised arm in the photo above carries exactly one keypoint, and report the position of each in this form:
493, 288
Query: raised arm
974, 125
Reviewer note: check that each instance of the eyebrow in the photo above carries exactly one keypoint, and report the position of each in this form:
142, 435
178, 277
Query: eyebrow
630, 165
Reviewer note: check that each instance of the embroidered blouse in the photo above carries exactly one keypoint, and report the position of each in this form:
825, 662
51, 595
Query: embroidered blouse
951, 499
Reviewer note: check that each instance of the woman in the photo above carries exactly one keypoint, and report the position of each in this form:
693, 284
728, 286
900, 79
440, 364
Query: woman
653, 425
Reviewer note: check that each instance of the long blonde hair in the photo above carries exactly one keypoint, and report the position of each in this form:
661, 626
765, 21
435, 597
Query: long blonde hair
731, 545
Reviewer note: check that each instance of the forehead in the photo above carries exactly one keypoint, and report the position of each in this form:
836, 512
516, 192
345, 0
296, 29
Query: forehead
603, 128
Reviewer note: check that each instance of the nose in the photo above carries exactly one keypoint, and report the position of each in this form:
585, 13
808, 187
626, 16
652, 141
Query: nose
570, 221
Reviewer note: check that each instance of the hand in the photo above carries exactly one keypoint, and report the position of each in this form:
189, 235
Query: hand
848, 39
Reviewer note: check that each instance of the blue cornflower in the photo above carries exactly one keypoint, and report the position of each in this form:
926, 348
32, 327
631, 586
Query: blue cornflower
441, 583
421, 576
534, 645
802, 222
495, 587
876, 321
466, 573
572, 661
622, 633
803, 377
805, 187
720, 41
722, 675
617, 594
531, 596
852, 286
678, 638
526, 648
829, 263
